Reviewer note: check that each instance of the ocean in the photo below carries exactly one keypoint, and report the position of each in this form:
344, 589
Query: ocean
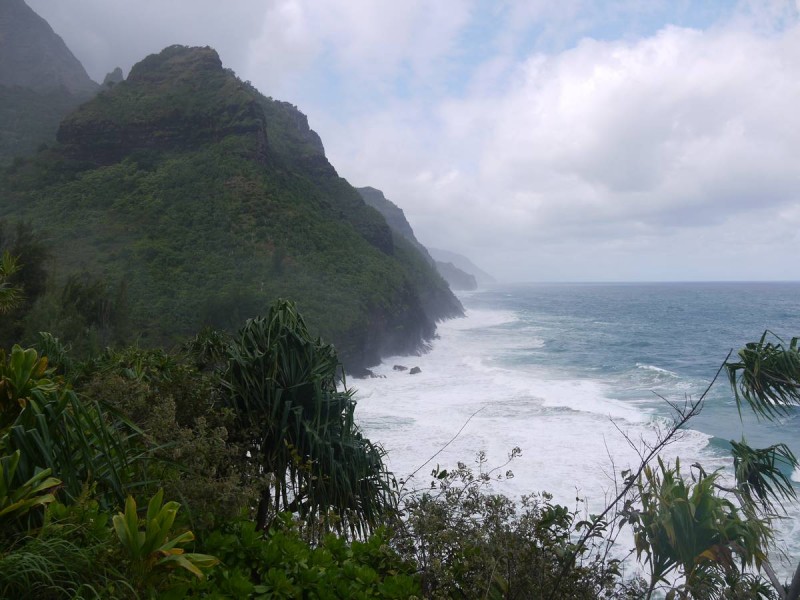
574, 375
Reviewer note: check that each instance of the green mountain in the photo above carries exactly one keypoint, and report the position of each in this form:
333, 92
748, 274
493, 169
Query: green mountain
205, 200
455, 277
40, 80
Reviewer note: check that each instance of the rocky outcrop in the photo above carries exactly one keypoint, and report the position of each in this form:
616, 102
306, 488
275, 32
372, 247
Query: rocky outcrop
210, 200
463, 264
395, 218
113, 78
179, 98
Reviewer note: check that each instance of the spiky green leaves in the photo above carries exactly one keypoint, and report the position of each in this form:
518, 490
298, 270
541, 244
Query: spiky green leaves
302, 435
689, 527
767, 377
759, 476
157, 548
18, 500
10, 295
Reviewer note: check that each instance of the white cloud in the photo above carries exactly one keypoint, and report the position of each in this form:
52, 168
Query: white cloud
362, 44
501, 133
652, 139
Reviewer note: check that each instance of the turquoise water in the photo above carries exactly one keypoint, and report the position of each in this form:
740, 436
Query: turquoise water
566, 371
668, 339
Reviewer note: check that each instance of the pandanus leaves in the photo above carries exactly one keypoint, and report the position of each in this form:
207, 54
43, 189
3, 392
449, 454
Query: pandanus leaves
52, 428
688, 527
759, 476
767, 377
283, 386
10, 295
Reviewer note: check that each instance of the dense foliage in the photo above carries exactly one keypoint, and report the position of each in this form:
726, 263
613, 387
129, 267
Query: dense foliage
233, 468
197, 201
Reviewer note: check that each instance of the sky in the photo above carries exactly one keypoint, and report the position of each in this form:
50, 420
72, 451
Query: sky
578, 140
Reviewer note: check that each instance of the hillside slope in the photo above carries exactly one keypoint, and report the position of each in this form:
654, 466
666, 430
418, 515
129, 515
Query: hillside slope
40, 80
208, 200
396, 219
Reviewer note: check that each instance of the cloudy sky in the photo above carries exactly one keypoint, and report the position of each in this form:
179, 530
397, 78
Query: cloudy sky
575, 140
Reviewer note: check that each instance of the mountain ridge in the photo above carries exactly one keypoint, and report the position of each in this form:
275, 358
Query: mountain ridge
208, 200
40, 81
456, 278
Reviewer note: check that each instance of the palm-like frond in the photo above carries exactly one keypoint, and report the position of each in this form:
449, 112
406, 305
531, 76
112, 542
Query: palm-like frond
282, 383
52, 428
767, 377
10, 295
758, 474
687, 527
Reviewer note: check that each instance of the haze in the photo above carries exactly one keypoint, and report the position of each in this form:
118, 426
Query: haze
580, 141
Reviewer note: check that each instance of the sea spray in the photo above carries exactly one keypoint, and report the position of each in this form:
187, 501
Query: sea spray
529, 368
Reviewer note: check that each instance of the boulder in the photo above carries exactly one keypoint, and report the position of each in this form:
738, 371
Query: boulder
414, 371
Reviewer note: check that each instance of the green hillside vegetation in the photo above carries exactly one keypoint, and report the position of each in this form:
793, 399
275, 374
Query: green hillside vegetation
396, 219
206, 200
233, 468
29, 119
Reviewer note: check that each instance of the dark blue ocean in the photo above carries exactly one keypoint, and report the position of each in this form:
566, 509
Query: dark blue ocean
567, 371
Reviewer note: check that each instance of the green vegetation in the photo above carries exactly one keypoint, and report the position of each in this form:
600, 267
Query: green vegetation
258, 484
183, 198
84, 443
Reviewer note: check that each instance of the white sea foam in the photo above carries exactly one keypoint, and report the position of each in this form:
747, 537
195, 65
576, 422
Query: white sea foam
568, 429
656, 369
571, 428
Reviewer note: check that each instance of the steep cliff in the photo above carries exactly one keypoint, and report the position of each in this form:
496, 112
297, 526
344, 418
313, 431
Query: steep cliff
40, 80
396, 218
209, 200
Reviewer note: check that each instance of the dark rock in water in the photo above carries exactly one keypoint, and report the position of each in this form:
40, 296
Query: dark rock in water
399, 368
414, 371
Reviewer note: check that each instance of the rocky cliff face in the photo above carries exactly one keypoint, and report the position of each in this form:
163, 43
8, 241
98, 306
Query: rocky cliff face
40, 81
396, 218
34, 56
209, 200
463, 264
176, 99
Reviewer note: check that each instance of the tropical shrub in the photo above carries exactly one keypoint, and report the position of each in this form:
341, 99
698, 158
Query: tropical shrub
298, 429
52, 428
185, 428
689, 528
154, 552
471, 543
281, 564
